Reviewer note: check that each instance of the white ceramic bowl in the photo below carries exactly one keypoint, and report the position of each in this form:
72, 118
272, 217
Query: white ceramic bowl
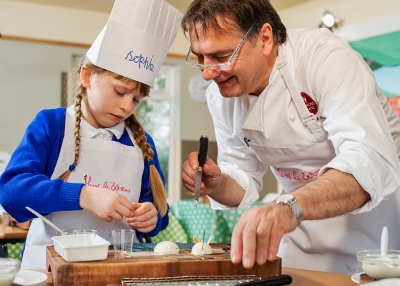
8, 270
378, 267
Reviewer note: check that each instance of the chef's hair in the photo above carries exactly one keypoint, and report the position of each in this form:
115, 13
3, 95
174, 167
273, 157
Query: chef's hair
242, 14
156, 183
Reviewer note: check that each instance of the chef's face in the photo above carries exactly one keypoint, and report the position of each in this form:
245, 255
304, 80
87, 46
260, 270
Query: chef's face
109, 100
251, 67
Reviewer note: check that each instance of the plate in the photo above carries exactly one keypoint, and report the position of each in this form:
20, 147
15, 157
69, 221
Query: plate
29, 277
356, 277
386, 282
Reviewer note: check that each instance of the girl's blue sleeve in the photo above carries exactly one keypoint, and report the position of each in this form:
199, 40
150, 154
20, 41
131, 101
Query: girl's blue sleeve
146, 194
26, 180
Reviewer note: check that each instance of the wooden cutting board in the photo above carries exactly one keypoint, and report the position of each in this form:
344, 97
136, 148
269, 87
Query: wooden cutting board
146, 264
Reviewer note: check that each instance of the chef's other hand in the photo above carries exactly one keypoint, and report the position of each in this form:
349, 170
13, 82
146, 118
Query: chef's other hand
144, 217
212, 177
257, 235
106, 204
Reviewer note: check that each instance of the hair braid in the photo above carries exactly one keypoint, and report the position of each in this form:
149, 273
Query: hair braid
156, 183
138, 133
77, 133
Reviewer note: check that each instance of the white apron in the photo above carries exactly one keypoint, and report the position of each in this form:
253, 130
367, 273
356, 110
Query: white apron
106, 164
329, 244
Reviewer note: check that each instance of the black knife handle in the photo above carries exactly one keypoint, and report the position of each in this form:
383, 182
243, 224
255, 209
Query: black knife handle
279, 280
203, 150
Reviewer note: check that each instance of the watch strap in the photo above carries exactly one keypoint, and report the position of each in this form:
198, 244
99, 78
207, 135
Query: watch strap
297, 211
294, 206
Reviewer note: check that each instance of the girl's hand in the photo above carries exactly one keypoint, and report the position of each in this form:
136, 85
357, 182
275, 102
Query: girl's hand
106, 204
144, 217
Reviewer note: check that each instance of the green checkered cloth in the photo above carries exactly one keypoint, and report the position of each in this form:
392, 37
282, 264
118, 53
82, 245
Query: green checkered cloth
173, 232
15, 250
231, 217
187, 221
196, 221
216, 223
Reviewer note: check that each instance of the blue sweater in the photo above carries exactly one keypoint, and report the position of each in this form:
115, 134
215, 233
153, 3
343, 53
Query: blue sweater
26, 180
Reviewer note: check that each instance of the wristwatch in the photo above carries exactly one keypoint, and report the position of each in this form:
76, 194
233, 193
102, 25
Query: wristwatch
289, 200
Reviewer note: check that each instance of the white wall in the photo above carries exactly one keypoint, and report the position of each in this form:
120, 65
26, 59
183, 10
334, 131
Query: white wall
308, 14
30, 80
27, 20
22, 19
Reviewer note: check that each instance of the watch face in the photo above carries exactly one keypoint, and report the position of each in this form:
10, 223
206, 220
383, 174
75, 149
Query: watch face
285, 198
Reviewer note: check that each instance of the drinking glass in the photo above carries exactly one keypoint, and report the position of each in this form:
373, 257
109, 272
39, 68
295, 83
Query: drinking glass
123, 242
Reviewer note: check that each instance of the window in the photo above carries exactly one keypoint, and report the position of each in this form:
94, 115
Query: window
159, 115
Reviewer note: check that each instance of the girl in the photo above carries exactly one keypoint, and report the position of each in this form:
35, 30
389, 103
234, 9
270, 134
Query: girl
91, 166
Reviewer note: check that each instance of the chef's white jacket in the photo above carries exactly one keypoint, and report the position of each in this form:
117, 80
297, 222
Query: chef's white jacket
347, 125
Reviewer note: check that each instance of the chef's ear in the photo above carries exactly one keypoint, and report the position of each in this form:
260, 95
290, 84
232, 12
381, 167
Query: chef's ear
267, 38
84, 75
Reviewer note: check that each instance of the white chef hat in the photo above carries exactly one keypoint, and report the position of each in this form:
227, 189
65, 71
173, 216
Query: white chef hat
136, 38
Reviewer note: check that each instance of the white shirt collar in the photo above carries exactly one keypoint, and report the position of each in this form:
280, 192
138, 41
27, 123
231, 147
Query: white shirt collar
88, 131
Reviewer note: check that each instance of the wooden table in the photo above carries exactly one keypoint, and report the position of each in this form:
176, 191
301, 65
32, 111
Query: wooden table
303, 277
13, 234
300, 277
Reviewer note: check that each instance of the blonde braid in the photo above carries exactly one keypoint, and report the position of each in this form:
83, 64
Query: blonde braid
140, 139
156, 183
77, 133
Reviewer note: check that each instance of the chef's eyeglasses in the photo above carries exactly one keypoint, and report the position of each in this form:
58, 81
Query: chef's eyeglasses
217, 67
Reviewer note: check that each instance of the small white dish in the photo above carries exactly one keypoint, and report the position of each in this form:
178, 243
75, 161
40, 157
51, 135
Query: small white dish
356, 277
386, 282
29, 277
73, 248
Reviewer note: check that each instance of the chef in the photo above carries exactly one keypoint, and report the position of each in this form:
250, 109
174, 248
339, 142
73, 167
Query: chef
92, 165
305, 105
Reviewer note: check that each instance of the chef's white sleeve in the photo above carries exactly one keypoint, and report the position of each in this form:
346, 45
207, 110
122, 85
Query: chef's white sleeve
357, 123
234, 157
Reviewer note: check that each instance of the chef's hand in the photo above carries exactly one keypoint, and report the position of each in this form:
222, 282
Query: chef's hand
106, 204
212, 177
144, 217
257, 235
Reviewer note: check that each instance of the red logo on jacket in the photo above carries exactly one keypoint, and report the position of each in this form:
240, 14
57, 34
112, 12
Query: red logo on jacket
312, 106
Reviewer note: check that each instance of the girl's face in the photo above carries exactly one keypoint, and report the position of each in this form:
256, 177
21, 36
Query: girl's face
109, 100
